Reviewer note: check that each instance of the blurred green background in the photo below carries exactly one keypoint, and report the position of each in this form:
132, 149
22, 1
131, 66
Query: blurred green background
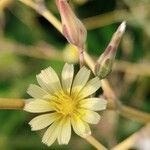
29, 43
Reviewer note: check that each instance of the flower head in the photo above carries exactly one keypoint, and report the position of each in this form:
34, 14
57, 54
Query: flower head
64, 104
72, 27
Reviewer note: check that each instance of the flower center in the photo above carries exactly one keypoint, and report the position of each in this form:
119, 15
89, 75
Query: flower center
66, 105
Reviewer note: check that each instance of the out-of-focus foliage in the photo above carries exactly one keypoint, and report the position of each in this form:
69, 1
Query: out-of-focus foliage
26, 39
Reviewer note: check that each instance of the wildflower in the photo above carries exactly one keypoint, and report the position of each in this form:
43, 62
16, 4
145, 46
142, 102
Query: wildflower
64, 104
105, 62
72, 27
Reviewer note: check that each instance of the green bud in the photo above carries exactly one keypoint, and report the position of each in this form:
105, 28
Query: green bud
105, 62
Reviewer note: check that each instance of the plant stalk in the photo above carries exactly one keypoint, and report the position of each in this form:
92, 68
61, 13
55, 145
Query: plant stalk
11, 103
90, 139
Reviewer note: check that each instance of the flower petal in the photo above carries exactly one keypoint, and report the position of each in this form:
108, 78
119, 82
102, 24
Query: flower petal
95, 104
92, 86
67, 77
80, 80
36, 91
51, 133
89, 116
38, 106
80, 127
49, 80
42, 121
65, 132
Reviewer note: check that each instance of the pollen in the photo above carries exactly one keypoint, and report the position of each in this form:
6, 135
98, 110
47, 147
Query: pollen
66, 104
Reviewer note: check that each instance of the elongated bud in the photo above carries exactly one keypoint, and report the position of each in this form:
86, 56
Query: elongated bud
72, 27
105, 62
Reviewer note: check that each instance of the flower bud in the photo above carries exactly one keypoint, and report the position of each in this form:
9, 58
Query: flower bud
105, 62
70, 54
72, 27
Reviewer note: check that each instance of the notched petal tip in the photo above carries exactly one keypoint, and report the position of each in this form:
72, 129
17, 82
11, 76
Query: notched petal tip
102, 104
68, 65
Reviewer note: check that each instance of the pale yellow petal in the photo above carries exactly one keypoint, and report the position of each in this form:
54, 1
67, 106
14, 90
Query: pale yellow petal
49, 80
65, 132
36, 91
80, 80
80, 127
67, 77
51, 133
92, 86
95, 104
38, 106
42, 121
89, 116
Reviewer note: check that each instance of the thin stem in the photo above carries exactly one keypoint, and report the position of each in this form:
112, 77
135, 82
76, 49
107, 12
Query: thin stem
133, 68
45, 13
5, 3
29, 3
90, 139
52, 19
132, 140
89, 61
11, 103
134, 114
106, 19
81, 57
41, 51
126, 144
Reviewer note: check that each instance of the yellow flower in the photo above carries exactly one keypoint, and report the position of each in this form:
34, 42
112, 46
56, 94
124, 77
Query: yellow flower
64, 104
